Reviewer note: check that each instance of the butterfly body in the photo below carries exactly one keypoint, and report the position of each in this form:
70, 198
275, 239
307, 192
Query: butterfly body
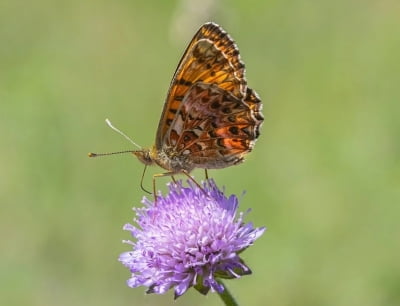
211, 119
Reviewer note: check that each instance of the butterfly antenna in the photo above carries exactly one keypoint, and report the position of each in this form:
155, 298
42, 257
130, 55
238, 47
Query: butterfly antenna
120, 152
123, 134
91, 154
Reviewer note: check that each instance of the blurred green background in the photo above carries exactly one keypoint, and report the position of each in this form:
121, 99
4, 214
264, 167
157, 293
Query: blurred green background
324, 176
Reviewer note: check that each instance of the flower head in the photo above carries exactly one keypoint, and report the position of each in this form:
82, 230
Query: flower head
190, 237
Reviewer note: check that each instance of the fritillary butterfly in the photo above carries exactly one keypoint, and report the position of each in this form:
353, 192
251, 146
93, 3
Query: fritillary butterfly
210, 119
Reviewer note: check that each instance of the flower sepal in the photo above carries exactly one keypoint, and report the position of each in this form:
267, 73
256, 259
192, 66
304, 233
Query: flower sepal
200, 287
240, 269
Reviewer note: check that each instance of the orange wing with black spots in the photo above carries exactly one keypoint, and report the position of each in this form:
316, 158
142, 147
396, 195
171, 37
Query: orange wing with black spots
212, 57
214, 128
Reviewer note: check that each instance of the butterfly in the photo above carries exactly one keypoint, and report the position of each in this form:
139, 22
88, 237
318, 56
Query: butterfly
211, 119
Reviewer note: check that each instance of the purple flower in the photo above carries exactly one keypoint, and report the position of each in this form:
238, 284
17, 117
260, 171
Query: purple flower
190, 237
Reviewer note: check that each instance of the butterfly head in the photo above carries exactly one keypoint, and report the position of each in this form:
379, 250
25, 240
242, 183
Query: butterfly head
144, 156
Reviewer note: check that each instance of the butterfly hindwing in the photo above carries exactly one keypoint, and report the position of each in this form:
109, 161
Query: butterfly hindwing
213, 126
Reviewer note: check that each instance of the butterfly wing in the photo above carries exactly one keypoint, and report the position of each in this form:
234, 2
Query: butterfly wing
214, 128
212, 58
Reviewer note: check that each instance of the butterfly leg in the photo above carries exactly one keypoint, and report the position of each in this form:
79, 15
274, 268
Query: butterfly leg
171, 174
206, 174
141, 180
154, 182
194, 181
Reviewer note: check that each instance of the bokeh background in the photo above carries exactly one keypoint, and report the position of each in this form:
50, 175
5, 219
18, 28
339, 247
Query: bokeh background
324, 176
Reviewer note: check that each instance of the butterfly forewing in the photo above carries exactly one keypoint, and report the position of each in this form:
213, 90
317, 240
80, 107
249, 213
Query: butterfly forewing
211, 57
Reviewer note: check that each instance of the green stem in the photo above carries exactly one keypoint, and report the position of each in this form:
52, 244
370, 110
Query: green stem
226, 296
